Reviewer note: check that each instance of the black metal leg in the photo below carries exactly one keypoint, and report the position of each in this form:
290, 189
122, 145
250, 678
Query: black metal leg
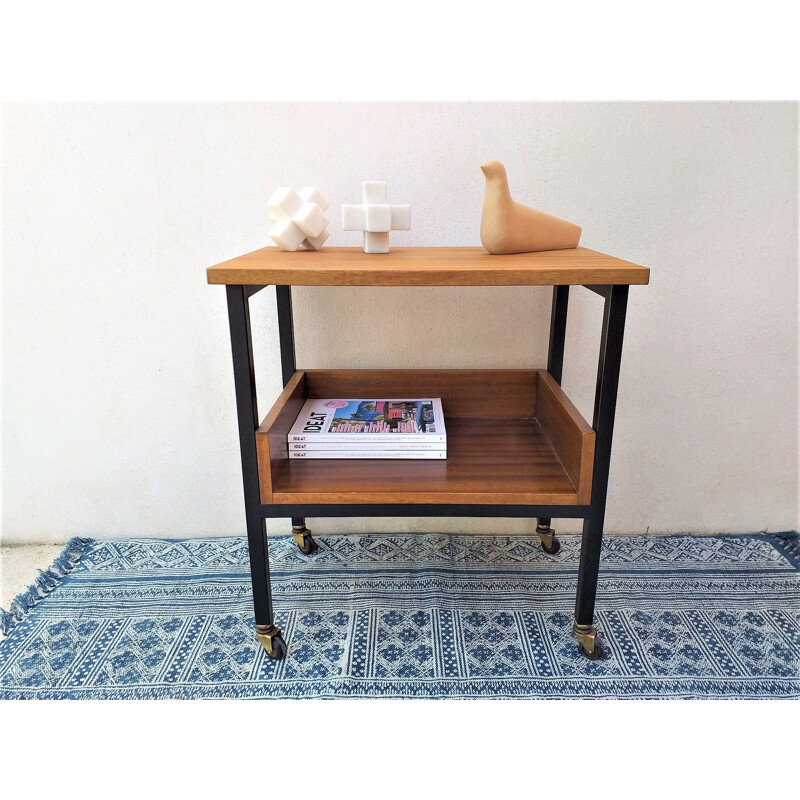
616, 301
283, 297
558, 332
247, 411
555, 363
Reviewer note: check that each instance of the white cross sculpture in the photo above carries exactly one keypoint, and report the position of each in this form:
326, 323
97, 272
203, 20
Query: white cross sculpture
375, 217
298, 218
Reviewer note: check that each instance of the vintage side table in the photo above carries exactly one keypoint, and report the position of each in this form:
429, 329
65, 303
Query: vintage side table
517, 446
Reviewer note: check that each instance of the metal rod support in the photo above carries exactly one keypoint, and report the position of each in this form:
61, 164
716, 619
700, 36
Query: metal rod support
605, 402
603, 423
603, 290
283, 296
558, 332
421, 510
247, 412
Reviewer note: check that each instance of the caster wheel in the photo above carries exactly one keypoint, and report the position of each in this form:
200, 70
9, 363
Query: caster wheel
595, 655
309, 546
278, 650
554, 547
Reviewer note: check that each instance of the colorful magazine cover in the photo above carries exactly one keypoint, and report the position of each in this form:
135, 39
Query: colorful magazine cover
369, 420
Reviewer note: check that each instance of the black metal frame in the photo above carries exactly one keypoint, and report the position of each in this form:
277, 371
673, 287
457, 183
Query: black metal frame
616, 300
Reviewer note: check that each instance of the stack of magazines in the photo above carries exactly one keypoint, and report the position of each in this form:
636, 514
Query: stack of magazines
369, 429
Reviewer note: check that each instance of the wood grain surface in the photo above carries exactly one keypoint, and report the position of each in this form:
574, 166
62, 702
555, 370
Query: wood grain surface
571, 437
425, 266
494, 461
513, 437
271, 446
464, 392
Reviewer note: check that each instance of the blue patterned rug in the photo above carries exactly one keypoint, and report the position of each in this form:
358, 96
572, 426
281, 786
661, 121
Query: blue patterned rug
410, 615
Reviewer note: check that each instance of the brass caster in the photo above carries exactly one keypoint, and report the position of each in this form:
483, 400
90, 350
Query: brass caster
304, 540
587, 638
550, 543
271, 638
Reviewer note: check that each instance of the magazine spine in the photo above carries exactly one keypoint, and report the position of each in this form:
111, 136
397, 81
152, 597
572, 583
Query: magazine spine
361, 445
368, 454
368, 438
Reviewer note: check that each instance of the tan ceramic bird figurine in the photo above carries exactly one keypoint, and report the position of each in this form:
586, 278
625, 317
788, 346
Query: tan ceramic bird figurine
509, 227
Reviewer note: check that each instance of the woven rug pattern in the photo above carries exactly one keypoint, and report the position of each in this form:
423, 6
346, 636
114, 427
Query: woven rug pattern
410, 615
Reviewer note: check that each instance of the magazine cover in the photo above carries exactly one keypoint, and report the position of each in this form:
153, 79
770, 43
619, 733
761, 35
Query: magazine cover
369, 421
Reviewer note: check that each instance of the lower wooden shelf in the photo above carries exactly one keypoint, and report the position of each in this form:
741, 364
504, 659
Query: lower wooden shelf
513, 438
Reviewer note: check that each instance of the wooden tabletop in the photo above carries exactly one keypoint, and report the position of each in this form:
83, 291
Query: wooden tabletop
425, 266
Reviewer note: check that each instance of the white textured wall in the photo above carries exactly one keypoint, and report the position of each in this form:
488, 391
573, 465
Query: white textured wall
118, 412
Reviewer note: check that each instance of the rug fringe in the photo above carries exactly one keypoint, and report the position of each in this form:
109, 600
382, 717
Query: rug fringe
44, 583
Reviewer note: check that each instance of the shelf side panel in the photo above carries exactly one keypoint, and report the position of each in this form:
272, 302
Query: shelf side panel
271, 445
465, 393
570, 436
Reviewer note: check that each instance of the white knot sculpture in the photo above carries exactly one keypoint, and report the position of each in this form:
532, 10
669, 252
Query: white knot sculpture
375, 217
298, 218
